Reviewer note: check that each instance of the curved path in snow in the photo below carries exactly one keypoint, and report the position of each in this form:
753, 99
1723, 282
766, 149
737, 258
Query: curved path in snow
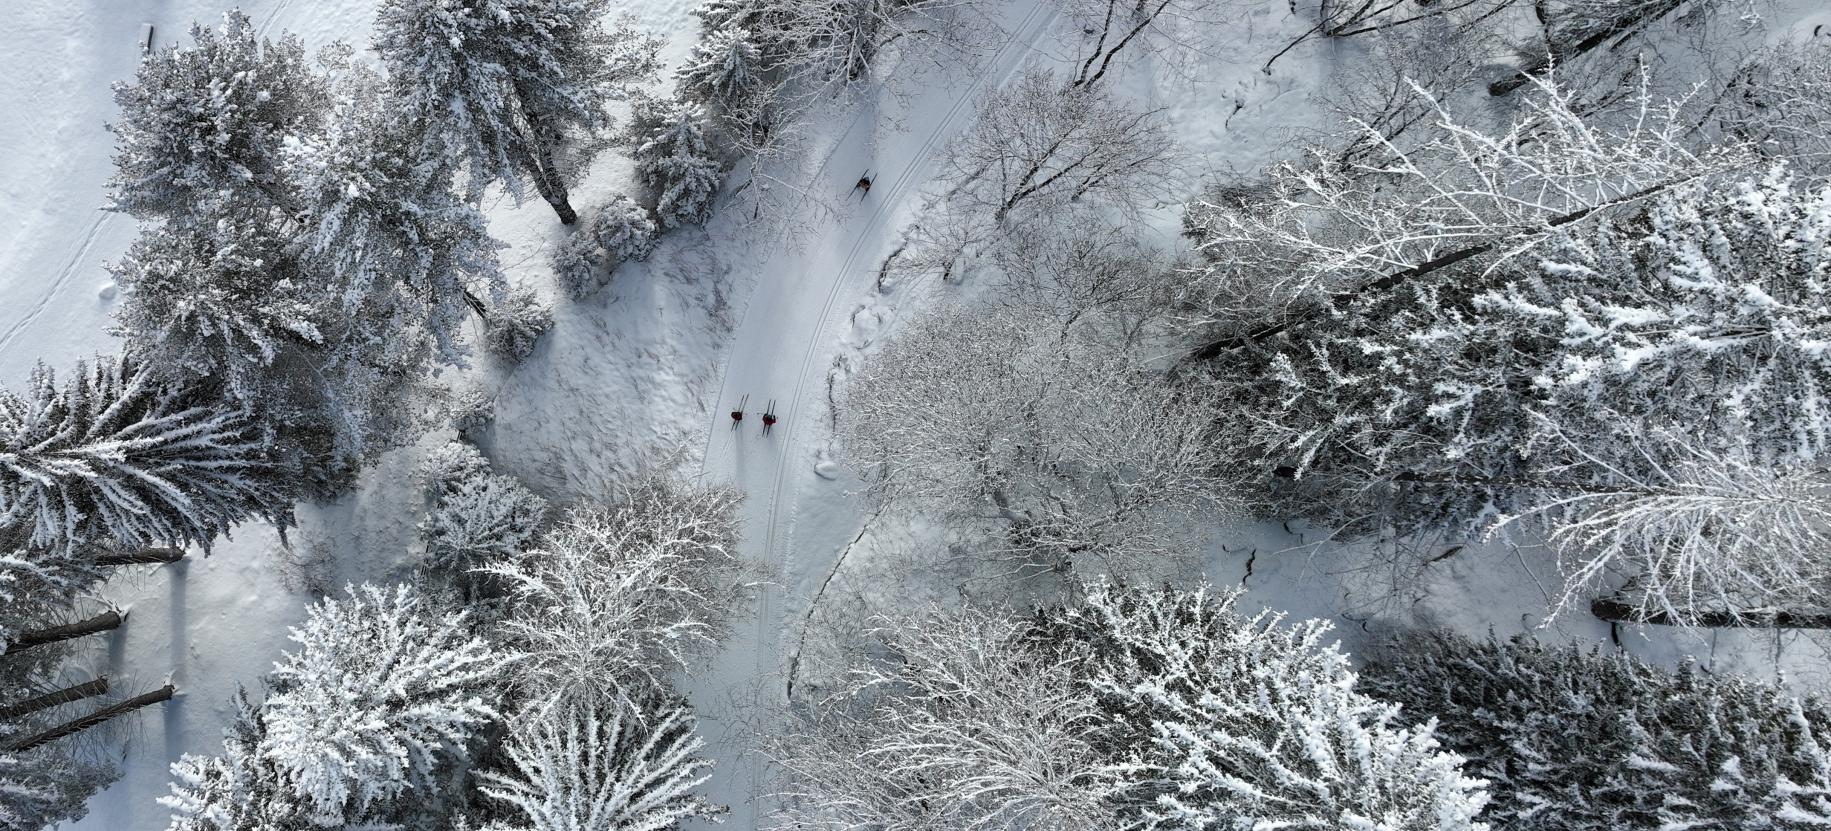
783, 349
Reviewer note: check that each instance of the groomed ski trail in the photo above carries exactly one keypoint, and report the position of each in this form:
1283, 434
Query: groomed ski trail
783, 345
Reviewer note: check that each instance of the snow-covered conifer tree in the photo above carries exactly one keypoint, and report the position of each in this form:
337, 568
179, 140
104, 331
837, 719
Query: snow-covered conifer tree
675, 160
37, 583
481, 520
599, 766
1577, 739
619, 231
203, 127
384, 692
508, 85
44, 787
516, 324
1250, 722
617, 596
379, 219
113, 456
244, 789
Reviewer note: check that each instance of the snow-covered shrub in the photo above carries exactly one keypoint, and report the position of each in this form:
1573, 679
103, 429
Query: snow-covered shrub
963, 725
506, 85
482, 520
1250, 722
1577, 739
115, 457
675, 159
450, 465
620, 231
1635, 387
517, 323
472, 408
1077, 450
617, 596
243, 789
603, 766
44, 787
384, 692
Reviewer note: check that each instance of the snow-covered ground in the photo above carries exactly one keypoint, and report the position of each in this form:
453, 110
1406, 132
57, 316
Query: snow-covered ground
648, 368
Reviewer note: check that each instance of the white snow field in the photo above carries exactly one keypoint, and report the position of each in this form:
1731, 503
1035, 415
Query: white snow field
650, 367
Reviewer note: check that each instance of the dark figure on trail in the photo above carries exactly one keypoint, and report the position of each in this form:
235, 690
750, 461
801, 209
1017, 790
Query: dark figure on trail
737, 415
769, 417
864, 184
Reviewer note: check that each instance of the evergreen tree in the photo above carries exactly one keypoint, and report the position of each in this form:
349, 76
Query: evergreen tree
595, 767
382, 695
1576, 739
1250, 723
226, 303
114, 456
675, 159
507, 84
724, 66
244, 789
203, 128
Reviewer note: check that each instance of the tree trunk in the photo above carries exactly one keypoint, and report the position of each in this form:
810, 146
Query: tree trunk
142, 556
87, 689
546, 173
100, 623
24, 743
1614, 609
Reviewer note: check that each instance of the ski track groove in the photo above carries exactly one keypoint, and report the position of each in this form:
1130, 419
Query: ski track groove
63, 278
1020, 40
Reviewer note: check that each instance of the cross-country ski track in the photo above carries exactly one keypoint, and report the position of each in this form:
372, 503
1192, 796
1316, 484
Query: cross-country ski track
782, 349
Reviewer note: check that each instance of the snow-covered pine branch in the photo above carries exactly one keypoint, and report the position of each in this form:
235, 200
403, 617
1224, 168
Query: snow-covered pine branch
384, 692
1325, 231
961, 725
113, 456
620, 230
1443, 405
516, 91
1079, 452
516, 324
478, 518
615, 597
596, 766
1251, 722
1578, 739
38, 583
